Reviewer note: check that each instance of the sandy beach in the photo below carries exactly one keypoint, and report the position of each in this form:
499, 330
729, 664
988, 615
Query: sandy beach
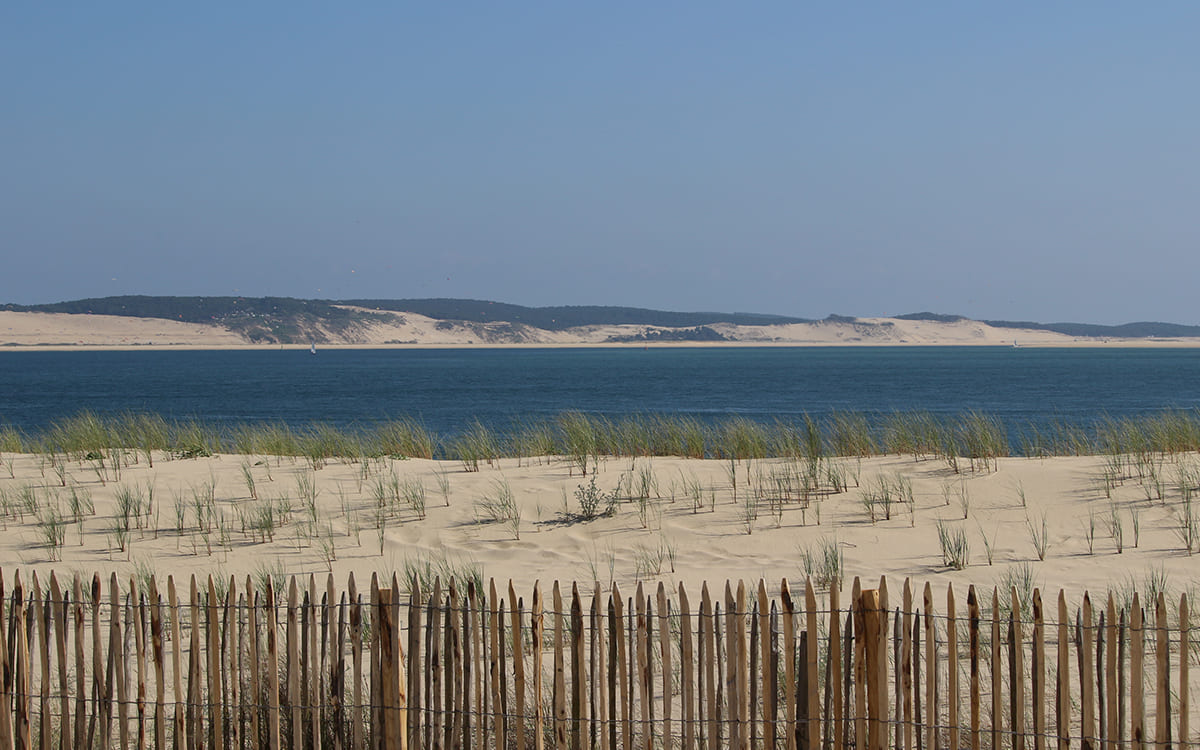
198, 516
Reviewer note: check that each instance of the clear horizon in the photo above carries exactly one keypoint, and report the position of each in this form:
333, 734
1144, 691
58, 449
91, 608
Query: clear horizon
1022, 162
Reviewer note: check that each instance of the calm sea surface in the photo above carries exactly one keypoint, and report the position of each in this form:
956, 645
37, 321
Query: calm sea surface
446, 389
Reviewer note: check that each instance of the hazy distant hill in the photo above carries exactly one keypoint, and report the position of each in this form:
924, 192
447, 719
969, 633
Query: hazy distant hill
259, 319
1140, 330
288, 320
562, 318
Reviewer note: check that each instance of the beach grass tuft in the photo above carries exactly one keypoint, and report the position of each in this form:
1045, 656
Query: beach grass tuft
956, 548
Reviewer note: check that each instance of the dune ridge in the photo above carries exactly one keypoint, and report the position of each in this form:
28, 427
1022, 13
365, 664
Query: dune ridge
44, 331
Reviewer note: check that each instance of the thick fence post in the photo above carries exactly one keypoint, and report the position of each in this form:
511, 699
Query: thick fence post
538, 629
875, 657
811, 664
392, 710
1111, 693
1087, 679
835, 658
6, 683
1037, 673
905, 667
951, 668
1062, 690
1184, 658
1137, 698
20, 665
1162, 675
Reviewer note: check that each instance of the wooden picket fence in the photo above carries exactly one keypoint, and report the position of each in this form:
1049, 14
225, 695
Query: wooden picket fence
219, 665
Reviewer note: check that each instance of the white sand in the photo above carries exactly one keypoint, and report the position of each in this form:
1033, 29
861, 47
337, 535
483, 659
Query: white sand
712, 544
60, 329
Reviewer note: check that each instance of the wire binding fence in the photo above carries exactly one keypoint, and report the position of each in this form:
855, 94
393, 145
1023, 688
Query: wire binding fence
217, 664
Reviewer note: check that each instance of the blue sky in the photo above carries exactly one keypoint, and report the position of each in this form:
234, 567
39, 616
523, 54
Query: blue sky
1020, 161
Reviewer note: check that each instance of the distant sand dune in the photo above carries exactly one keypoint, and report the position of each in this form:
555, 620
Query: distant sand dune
60, 329
46, 330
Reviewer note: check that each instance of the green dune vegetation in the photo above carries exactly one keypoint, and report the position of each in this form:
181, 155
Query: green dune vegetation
968, 442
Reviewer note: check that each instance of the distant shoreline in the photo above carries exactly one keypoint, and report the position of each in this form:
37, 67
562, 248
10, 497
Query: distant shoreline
36, 331
1081, 344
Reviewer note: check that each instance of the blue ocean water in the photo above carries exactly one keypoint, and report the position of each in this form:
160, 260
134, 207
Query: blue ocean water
448, 388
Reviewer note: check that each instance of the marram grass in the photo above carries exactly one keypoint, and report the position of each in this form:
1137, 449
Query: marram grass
966, 442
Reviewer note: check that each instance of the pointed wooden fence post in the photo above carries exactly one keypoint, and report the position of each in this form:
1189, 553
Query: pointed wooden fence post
1037, 673
495, 711
21, 723
882, 665
156, 646
789, 666
861, 732
1162, 683
739, 664
6, 681
392, 710
356, 641
687, 664
1101, 695
642, 659
952, 668
195, 671
478, 604
997, 687
502, 638
814, 689
77, 616
1087, 680
517, 613
255, 665
295, 699
213, 646
619, 669
578, 674
875, 660
559, 694
454, 668
41, 614
905, 667
664, 647
313, 697
1016, 672
1137, 683
1111, 729
597, 735
137, 607
271, 621
334, 615
1122, 680
835, 659
539, 718
932, 737
973, 656
416, 666
1184, 658
708, 695
765, 676
435, 668
1063, 677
